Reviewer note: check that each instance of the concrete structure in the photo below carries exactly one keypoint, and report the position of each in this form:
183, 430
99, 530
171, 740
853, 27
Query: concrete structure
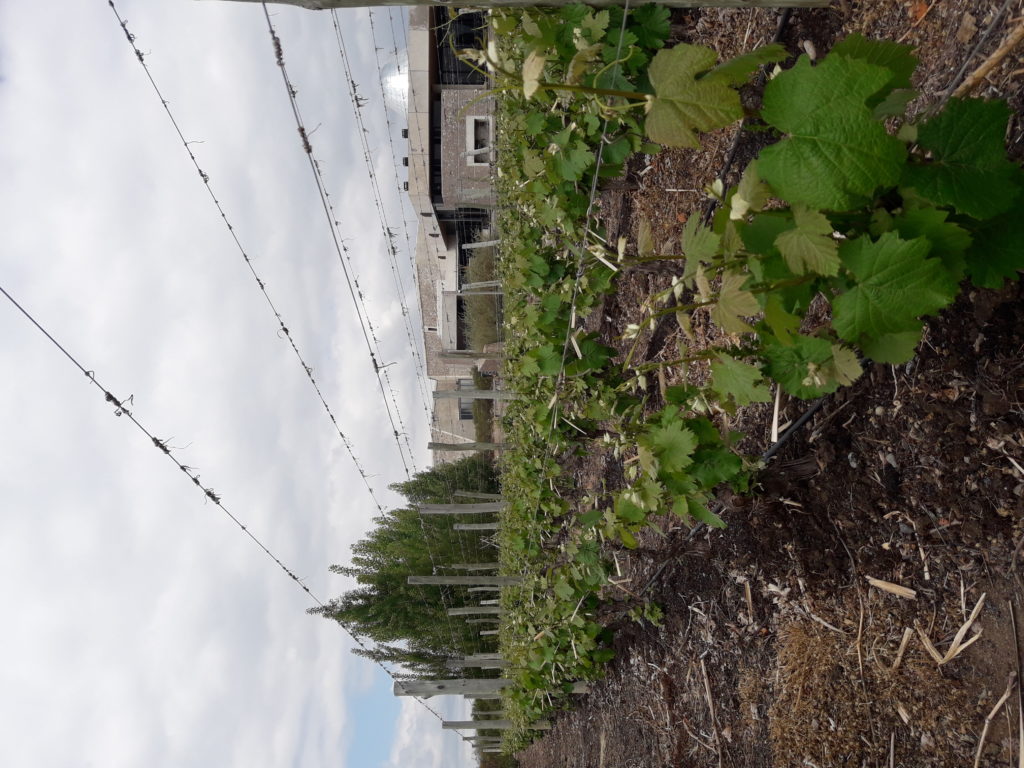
451, 138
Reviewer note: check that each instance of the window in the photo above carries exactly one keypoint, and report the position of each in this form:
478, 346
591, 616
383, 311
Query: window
478, 141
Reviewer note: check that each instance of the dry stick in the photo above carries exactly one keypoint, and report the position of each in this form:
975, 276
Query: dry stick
1010, 682
907, 634
977, 47
711, 707
917, 23
1012, 41
1020, 695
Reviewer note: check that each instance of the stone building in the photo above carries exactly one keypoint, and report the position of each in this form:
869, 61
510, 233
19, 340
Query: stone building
450, 154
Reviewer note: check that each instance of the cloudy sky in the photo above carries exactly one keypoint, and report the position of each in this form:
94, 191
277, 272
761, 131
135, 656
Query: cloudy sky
139, 626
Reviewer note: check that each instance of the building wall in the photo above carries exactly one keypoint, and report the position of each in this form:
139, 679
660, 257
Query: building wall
462, 183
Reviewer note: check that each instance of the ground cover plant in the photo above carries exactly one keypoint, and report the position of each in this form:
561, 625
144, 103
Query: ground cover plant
871, 227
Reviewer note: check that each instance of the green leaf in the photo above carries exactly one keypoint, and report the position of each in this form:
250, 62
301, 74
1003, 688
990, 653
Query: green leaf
736, 71
627, 538
672, 443
536, 123
809, 247
751, 194
650, 23
897, 58
845, 367
581, 62
564, 590
894, 104
797, 367
896, 284
591, 518
734, 303
683, 104
998, 251
699, 244
782, 324
892, 348
968, 168
836, 155
712, 466
949, 241
702, 514
740, 381
572, 163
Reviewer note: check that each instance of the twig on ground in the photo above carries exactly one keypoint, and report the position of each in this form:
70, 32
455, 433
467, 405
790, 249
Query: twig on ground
907, 634
977, 47
1011, 681
1015, 38
711, 708
917, 23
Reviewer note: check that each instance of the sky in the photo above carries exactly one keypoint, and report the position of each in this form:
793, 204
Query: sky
140, 626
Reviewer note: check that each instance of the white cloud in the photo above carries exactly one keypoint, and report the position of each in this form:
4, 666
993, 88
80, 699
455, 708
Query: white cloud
140, 626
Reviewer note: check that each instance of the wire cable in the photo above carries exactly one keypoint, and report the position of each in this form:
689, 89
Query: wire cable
260, 283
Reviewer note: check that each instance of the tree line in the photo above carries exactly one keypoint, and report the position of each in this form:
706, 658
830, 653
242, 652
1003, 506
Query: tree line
407, 624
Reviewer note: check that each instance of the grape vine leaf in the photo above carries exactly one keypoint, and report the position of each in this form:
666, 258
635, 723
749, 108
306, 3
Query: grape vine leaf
732, 378
967, 168
897, 58
683, 104
844, 367
998, 251
734, 303
895, 285
836, 155
809, 246
650, 24
736, 71
671, 442
751, 194
892, 348
781, 323
571, 163
796, 367
949, 241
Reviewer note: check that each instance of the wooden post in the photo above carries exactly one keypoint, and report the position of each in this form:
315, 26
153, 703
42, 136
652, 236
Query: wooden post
476, 610
489, 725
476, 527
484, 589
474, 394
461, 509
476, 663
488, 632
476, 495
466, 445
463, 581
490, 602
484, 688
427, 688
473, 566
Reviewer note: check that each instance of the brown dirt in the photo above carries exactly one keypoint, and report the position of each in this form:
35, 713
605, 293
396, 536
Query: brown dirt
776, 650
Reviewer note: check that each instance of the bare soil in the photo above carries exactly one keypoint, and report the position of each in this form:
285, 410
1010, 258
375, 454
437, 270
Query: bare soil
777, 648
